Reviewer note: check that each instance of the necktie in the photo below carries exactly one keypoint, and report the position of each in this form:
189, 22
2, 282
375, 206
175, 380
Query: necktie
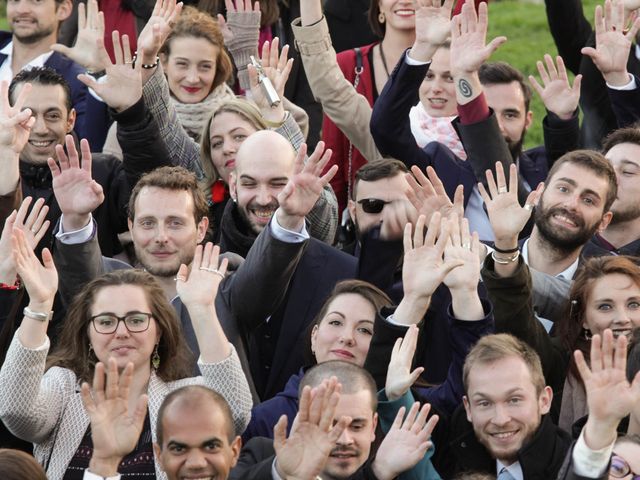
505, 475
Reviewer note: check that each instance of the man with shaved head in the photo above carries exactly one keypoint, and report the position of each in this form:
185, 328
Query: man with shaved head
266, 164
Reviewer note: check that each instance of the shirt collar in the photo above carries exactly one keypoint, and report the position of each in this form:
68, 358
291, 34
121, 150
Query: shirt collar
566, 274
514, 469
7, 49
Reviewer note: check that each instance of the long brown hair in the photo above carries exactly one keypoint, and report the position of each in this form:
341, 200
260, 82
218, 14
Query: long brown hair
569, 329
73, 350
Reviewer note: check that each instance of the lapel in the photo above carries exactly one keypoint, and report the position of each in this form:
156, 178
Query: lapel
302, 290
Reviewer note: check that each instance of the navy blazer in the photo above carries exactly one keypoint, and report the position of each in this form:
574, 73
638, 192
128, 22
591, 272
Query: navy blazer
92, 118
391, 130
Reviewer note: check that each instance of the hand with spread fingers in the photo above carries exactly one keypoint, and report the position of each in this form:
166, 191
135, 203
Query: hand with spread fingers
313, 434
157, 29
613, 42
85, 50
463, 246
433, 27
121, 87
610, 396
303, 189
77, 193
406, 443
32, 223
428, 196
557, 94
277, 68
241, 15
395, 215
506, 215
400, 377
115, 429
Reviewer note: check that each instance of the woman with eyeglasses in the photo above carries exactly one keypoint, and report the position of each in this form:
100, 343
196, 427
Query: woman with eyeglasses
122, 315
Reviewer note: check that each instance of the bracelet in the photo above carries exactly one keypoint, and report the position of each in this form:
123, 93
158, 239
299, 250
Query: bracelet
146, 66
39, 316
505, 261
511, 250
271, 124
15, 286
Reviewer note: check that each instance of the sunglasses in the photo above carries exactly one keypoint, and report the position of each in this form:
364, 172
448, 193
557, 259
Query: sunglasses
372, 205
620, 468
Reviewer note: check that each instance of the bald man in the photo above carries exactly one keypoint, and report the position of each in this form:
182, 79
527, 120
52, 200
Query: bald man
273, 188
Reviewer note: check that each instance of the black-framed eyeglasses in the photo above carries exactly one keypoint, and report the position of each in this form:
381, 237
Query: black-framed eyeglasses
135, 322
372, 205
619, 468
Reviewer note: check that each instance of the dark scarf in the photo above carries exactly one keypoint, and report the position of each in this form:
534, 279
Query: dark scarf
35, 176
235, 236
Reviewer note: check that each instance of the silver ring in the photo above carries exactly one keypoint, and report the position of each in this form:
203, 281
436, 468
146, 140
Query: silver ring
528, 207
466, 246
213, 270
34, 230
502, 190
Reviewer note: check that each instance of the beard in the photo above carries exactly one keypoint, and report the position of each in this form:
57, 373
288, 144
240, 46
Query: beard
163, 269
560, 239
625, 214
34, 36
247, 218
515, 147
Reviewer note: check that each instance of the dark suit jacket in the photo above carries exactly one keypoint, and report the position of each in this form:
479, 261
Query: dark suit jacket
91, 114
571, 32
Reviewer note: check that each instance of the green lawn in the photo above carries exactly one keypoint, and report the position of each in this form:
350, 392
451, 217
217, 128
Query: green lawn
525, 26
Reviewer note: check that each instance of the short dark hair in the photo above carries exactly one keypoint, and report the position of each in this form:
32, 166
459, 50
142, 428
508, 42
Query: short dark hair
622, 135
41, 76
171, 178
353, 378
193, 396
377, 170
595, 162
499, 73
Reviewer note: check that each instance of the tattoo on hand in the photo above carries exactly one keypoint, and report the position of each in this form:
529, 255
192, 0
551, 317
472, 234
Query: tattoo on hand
465, 88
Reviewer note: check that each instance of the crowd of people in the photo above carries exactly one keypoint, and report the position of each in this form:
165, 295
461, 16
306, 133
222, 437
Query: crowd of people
229, 252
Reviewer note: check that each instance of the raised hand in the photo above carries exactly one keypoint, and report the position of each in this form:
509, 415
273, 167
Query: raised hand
77, 193
469, 48
40, 279
506, 215
400, 377
428, 195
313, 435
302, 191
34, 226
122, 86
277, 68
157, 29
424, 267
406, 443
610, 396
395, 216
199, 285
90, 29
241, 13
612, 43
433, 27
462, 247
15, 123
557, 94
115, 429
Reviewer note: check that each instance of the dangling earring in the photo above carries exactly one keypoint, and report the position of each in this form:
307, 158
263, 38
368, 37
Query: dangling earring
381, 17
587, 334
155, 358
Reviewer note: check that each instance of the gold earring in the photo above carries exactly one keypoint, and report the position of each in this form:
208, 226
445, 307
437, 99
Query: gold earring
381, 17
155, 358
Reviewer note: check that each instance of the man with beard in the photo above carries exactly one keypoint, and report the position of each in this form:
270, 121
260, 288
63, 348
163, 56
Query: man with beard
622, 236
507, 431
265, 165
486, 136
34, 29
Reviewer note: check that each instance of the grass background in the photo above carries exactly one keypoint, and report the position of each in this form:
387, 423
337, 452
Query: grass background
524, 23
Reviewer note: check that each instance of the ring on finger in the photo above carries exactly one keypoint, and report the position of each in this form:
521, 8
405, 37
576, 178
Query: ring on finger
528, 207
502, 190
466, 246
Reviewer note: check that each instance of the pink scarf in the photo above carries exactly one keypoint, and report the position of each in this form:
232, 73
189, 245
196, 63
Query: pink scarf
427, 129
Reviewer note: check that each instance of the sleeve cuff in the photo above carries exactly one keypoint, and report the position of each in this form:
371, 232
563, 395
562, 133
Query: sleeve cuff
629, 86
92, 476
77, 236
287, 236
587, 462
410, 61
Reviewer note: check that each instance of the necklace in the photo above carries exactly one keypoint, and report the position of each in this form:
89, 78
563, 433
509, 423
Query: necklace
384, 60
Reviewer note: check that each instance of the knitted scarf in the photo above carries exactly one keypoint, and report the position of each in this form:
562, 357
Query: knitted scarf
192, 116
427, 129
